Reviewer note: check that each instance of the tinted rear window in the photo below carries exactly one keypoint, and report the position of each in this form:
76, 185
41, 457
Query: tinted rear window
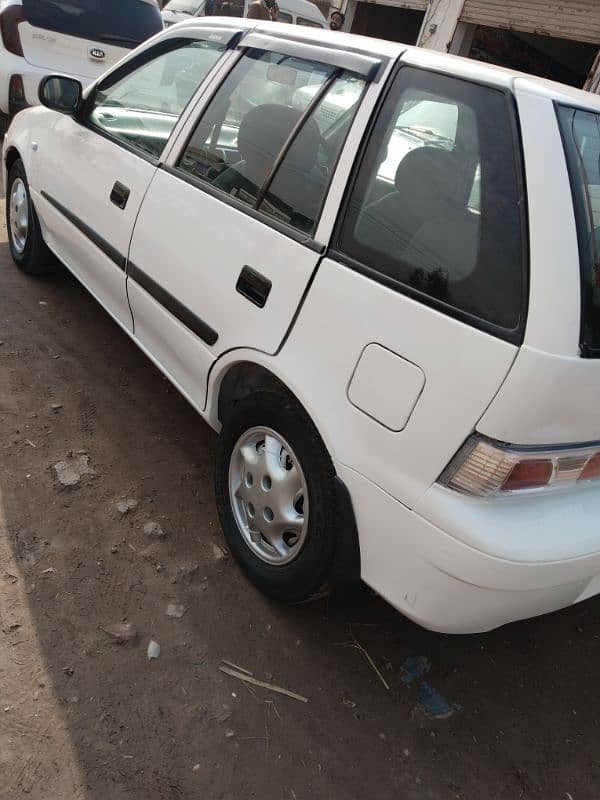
581, 137
121, 22
436, 209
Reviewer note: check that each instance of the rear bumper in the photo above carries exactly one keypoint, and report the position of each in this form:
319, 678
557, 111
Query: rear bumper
448, 585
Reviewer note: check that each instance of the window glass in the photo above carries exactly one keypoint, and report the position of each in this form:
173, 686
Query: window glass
309, 23
224, 8
120, 22
581, 134
436, 205
143, 107
190, 7
283, 16
250, 121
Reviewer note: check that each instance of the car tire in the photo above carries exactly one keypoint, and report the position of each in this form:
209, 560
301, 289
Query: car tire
28, 249
292, 479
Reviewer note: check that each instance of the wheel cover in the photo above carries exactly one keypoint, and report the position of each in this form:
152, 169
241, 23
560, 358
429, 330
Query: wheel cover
19, 215
268, 496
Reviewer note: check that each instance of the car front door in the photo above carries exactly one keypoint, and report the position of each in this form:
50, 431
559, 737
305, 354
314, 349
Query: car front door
93, 170
224, 245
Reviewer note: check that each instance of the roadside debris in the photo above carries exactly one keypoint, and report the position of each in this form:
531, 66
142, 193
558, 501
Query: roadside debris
358, 646
235, 666
175, 610
414, 668
219, 552
433, 703
120, 632
48, 571
125, 506
153, 650
246, 678
30, 443
152, 528
70, 471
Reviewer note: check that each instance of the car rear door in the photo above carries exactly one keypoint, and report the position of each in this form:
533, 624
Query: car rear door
224, 246
84, 39
92, 172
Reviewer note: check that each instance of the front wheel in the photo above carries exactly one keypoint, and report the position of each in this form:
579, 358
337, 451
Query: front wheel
27, 246
275, 492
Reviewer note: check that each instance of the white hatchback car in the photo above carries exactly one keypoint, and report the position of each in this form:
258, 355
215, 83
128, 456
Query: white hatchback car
372, 268
69, 36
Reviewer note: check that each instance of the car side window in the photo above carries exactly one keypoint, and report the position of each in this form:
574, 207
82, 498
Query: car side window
272, 134
142, 108
436, 206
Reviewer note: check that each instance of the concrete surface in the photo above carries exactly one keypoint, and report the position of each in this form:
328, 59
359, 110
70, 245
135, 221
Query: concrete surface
82, 716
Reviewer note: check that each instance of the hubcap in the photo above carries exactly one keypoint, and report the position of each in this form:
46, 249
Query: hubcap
19, 215
268, 495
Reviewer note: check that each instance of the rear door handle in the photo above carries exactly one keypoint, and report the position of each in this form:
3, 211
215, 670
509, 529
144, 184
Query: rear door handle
119, 195
254, 286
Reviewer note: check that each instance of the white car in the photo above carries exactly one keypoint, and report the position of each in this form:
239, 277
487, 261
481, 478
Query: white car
296, 12
76, 38
402, 359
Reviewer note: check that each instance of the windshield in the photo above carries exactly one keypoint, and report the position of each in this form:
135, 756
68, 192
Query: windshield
122, 22
581, 136
190, 7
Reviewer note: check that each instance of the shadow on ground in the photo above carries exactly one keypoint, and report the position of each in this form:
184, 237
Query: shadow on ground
524, 698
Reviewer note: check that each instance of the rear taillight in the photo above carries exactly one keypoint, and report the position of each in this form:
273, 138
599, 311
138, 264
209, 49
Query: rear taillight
483, 467
10, 19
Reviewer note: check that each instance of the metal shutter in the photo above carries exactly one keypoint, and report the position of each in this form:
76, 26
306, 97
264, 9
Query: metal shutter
567, 19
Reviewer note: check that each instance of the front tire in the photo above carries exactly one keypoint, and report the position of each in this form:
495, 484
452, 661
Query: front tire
27, 247
276, 497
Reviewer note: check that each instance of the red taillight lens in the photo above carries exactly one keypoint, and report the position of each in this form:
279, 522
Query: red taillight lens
16, 90
528, 475
10, 19
485, 468
591, 469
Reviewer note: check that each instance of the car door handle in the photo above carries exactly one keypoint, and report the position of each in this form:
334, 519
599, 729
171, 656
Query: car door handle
254, 286
119, 195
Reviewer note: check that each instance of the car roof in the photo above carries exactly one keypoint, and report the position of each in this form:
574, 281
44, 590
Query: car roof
466, 68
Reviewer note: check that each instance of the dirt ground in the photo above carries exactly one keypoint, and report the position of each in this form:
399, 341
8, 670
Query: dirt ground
512, 714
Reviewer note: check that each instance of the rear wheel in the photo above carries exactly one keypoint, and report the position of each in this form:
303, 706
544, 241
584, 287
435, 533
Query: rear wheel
27, 246
276, 496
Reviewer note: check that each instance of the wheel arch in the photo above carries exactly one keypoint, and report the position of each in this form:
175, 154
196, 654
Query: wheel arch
241, 378
11, 156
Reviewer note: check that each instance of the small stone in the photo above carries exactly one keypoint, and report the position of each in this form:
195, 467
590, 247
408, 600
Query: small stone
406, 752
125, 506
153, 650
175, 610
196, 767
121, 632
70, 471
114, 549
56, 406
152, 528
43, 303
219, 552
74, 698
229, 733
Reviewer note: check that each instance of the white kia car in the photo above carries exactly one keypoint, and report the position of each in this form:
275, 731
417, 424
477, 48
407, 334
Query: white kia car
78, 38
374, 270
